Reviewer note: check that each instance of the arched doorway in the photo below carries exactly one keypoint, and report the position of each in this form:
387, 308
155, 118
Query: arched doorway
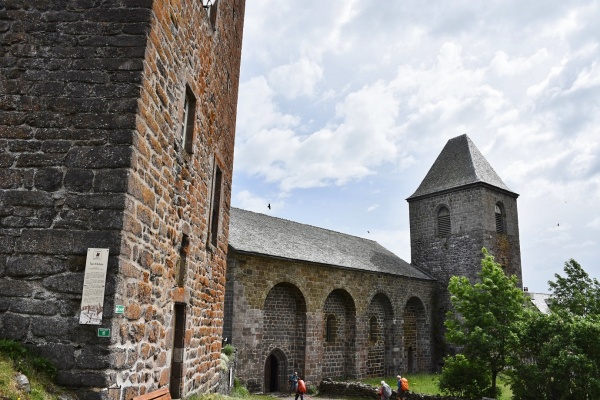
275, 372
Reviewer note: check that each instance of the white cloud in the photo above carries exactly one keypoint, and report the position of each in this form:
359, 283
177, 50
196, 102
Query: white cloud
257, 110
271, 146
296, 79
372, 207
587, 78
503, 64
595, 223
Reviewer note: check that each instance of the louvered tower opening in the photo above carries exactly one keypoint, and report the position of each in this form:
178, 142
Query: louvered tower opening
443, 218
499, 214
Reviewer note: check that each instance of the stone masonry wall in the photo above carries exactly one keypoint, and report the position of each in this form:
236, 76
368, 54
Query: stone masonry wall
339, 308
91, 110
70, 74
380, 316
253, 278
284, 325
172, 188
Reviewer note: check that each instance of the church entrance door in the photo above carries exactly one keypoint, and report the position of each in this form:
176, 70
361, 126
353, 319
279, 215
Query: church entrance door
275, 372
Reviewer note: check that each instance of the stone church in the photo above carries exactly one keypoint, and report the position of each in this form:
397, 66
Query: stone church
329, 305
117, 125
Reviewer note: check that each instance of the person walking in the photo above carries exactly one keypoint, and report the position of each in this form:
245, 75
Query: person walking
301, 389
385, 391
293, 382
402, 387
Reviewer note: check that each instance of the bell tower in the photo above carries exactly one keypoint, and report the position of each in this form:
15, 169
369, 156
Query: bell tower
460, 207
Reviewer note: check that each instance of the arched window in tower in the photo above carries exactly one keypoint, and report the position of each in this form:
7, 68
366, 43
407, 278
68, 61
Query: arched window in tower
500, 218
443, 222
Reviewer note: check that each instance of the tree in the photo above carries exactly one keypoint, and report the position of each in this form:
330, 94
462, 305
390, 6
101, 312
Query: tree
485, 317
559, 358
559, 354
576, 293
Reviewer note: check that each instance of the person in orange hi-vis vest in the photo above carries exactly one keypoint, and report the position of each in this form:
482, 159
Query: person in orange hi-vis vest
301, 389
402, 386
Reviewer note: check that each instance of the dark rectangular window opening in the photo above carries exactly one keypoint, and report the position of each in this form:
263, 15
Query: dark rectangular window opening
182, 264
215, 206
189, 120
330, 327
177, 373
212, 14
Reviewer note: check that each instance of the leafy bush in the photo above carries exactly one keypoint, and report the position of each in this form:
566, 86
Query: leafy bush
559, 358
228, 350
464, 378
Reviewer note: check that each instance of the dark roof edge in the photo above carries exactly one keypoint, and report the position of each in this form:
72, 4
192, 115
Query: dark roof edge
252, 253
457, 188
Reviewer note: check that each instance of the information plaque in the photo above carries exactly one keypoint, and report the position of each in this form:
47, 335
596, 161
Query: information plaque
92, 299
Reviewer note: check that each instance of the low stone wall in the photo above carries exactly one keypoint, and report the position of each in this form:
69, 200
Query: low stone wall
361, 390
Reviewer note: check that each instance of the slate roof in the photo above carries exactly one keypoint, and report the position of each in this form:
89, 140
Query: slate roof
459, 164
255, 233
540, 301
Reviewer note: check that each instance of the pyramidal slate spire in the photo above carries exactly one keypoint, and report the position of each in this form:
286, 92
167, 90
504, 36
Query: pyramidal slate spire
459, 164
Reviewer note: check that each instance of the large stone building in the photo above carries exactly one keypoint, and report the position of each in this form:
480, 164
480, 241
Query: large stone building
329, 305
117, 123
322, 303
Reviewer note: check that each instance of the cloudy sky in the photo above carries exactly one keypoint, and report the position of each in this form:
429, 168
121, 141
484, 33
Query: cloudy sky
344, 106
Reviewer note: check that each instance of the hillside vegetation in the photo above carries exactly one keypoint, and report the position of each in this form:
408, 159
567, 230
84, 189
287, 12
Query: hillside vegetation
16, 360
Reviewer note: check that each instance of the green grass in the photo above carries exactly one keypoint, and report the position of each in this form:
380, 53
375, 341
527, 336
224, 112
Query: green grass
42, 387
427, 384
418, 383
